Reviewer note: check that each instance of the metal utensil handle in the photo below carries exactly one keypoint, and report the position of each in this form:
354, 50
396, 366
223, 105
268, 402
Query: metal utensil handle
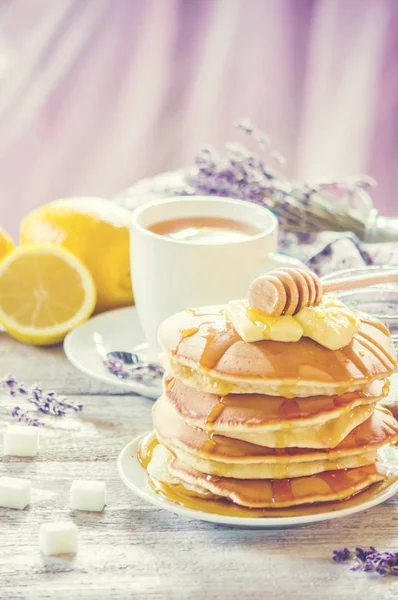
361, 281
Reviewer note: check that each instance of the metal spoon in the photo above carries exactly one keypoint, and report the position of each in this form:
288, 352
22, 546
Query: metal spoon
127, 365
128, 358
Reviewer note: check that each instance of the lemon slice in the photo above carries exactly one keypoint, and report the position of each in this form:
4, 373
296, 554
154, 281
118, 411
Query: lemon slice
45, 291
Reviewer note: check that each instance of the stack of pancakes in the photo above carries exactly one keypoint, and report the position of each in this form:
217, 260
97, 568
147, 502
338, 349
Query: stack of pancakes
271, 424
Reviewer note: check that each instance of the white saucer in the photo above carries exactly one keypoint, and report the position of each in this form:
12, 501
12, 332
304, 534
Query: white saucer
135, 477
114, 330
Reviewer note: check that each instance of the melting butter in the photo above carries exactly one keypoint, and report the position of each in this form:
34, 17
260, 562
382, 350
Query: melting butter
330, 323
253, 326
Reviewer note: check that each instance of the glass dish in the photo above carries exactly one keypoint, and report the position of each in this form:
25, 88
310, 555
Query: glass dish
380, 301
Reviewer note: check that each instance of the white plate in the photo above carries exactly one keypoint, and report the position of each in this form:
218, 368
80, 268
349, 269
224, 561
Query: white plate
135, 478
114, 330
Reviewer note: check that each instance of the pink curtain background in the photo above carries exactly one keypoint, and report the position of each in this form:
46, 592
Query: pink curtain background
95, 94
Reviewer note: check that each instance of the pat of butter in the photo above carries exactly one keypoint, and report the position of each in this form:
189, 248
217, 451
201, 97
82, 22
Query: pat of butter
331, 323
253, 326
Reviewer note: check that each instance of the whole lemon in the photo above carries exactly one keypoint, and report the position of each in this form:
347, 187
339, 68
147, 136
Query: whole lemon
6, 244
97, 232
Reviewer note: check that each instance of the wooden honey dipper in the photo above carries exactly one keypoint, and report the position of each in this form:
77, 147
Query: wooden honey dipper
287, 290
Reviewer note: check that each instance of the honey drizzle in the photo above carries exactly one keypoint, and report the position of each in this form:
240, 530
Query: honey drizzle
348, 353
196, 312
169, 383
375, 323
218, 341
184, 333
281, 491
188, 332
209, 446
144, 453
381, 328
210, 421
214, 414
377, 350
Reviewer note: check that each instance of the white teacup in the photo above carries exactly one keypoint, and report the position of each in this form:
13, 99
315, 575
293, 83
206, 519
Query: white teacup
170, 275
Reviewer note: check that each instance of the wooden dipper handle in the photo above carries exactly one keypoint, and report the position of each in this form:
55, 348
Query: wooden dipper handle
361, 281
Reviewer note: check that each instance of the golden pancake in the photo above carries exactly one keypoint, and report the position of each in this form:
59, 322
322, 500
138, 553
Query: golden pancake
227, 457
270, 470
223, 506
278, 493
205, 352
316, 422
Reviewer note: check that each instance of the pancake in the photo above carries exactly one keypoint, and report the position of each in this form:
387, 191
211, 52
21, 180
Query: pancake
316, 422
226, 457
203, 350
279, 493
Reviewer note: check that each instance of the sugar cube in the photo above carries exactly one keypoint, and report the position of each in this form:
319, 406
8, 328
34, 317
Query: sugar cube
88, 495
58, 537
15, 492
21, 440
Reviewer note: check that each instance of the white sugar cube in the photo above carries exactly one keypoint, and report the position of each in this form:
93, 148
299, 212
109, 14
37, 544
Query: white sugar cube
21, 440
88, 495
15, 492
58, 538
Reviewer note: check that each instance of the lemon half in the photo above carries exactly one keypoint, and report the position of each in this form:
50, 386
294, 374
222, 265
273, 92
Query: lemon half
45, 291
97, 232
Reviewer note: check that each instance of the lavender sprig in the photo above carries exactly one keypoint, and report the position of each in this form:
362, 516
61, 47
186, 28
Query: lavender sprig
369, 560
49, 403
23, 416
237, 172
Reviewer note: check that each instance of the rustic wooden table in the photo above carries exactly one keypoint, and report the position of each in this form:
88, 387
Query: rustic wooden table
133, 550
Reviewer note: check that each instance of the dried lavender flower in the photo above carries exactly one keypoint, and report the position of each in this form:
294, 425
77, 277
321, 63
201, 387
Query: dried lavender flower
237, 172
22, 416
369, 560
341, 555
49, 403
